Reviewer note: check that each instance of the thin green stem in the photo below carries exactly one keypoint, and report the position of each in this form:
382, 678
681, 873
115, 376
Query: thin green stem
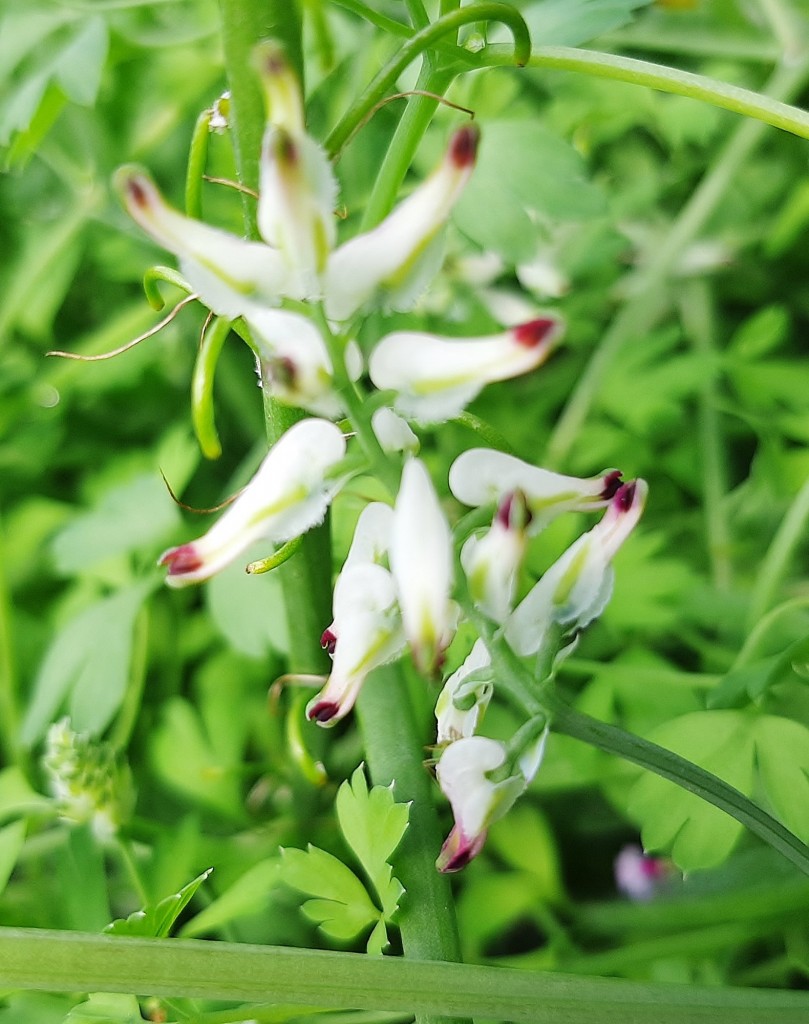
686, 42
419, 43
202, 404
197, 161
648, 301
789, 535
388, 25
767, 106
73, 961
418, 15
696, 311
685, 774
139, 663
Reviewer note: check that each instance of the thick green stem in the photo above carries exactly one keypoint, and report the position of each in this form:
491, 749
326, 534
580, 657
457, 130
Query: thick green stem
395, 747
72, 961
648, 303
306, 577
245, 23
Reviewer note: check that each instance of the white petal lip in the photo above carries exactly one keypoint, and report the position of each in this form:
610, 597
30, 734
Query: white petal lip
421, 562
288, 496
230, 275
461, 774
480, 476
393, 433
368, 634
435, 377
385, 255
576, 588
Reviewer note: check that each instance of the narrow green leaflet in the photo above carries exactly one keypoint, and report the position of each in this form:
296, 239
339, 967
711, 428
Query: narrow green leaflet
17, 797
240, 899
341, 907
746, 750
87, 667
156, 921
12, 838
373, 825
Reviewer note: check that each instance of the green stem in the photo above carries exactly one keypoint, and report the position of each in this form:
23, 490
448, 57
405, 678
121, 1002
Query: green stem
648, 300
244, 24
394, 745
776, 562
130, 709
696, 310
685, 774
406, 138
73, 961
767, 106
202, 403
763, 626
419, 43
418, 16
306, 577
197, 160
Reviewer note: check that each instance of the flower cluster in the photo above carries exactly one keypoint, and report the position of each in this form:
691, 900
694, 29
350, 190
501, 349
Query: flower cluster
298, 298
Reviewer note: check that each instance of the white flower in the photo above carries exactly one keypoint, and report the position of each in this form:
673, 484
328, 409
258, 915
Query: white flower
396, 258
577, 587
477, 801
482, 476
298, 192
288, 495
435, 378
293, 361
491, 562
464, 698
421, 562
366, 633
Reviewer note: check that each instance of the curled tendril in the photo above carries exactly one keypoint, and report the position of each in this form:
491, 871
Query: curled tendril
151, 285
199, 511
130, 344
275, 559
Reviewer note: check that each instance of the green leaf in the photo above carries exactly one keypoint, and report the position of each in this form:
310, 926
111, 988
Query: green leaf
156, 921
131, 516
185, 758
249, 610
244, 897
572, 22
106, 1008
782, 757
523, 169
342, 907
87, 665
373, 825
697, 834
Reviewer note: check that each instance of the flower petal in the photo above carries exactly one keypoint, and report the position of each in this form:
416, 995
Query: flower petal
482, 476
491, 562
435, 377
421, 562
464, 699
288, 496
388, 257
230, 275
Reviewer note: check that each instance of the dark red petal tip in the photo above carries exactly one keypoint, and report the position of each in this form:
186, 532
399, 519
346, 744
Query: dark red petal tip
136, 192
328, 641
323, 711
463, 146
535, 331
183, 559
624, 496
612, 482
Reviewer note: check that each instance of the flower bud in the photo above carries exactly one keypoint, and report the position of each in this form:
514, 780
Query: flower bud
435, 378
465, 697
492, 562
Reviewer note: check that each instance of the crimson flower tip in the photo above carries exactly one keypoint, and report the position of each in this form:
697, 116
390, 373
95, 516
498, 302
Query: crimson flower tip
322, 711
328, 641
534, 332
181, 560
464, 145
612, 483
